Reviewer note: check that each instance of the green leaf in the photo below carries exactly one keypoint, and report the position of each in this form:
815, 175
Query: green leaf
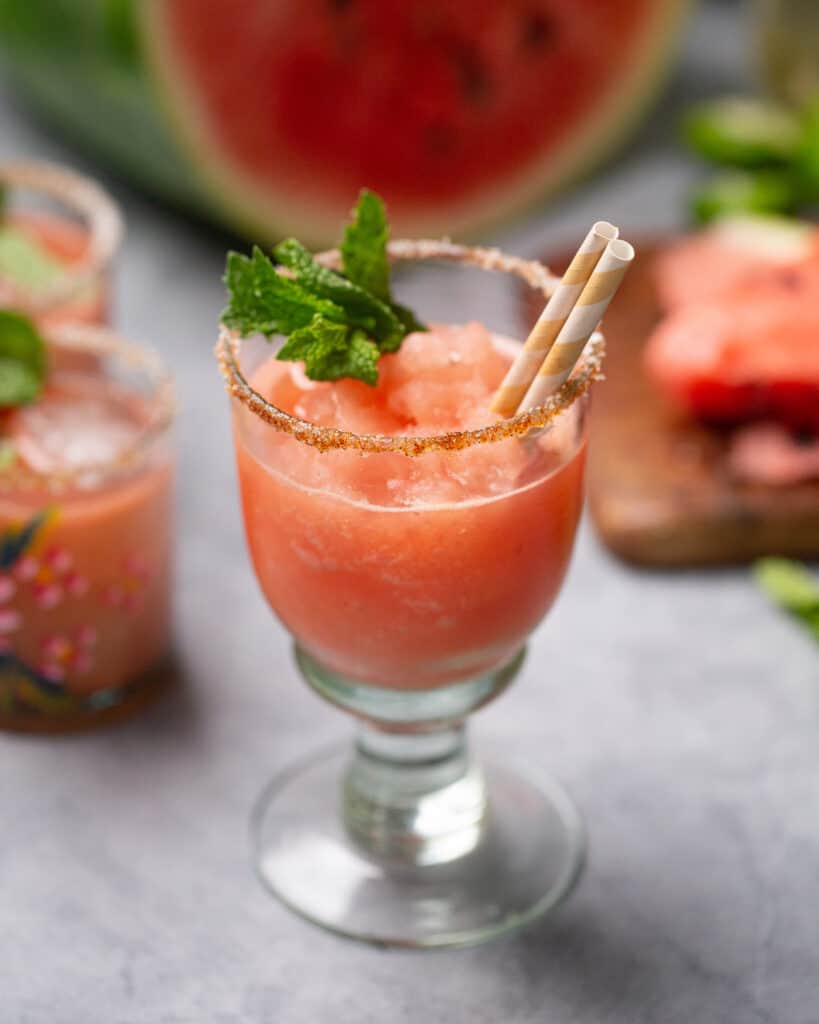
793, 588
789, 584
22, 359
807, 159
24, 262
330, 351
363, 309
364, 249
18, 383
8, 455
260, 300
742, 132
365, 262
734, 192
338, 324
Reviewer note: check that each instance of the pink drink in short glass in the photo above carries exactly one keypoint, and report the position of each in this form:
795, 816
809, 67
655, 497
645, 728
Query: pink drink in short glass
410, 541
56, 259
85, 536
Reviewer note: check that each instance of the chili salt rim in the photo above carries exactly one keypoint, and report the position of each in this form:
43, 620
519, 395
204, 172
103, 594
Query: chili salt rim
85, 197
532, 272
103, 341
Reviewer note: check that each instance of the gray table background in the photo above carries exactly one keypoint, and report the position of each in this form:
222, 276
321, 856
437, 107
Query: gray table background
680, 711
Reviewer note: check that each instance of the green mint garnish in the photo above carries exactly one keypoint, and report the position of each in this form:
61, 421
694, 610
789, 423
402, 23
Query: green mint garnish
331, 351
24, 262
338, 324
364, 249
8, 455
792, 587
22, 360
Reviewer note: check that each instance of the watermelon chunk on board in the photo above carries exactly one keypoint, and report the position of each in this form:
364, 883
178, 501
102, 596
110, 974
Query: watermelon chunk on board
742, 339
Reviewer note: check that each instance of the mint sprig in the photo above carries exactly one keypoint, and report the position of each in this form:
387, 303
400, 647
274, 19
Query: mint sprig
338, 324
22, 360
792, 587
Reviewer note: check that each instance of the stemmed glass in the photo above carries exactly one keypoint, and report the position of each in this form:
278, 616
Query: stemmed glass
410, 612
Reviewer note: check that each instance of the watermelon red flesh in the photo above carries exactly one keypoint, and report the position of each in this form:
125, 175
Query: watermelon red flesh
733, 361
292, 106
745, 256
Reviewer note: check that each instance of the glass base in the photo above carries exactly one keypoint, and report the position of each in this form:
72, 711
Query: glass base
26, 707
527, 853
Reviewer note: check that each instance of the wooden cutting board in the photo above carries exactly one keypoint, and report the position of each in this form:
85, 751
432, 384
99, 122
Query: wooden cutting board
659, 490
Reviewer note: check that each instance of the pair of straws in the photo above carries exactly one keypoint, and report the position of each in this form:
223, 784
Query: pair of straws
567, 322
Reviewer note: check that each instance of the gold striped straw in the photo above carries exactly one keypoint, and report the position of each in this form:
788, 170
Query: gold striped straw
525, 367
580, 323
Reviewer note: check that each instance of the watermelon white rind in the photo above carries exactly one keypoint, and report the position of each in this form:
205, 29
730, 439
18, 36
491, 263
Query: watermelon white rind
311, 205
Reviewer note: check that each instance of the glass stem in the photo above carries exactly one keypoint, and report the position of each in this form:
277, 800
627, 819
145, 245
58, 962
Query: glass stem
414, 798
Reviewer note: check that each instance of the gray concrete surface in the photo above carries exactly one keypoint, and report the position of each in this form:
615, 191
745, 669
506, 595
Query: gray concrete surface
681, 712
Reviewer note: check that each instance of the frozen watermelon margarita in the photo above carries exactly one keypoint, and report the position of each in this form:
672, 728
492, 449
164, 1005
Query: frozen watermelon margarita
85, 534
59, 235
410, 540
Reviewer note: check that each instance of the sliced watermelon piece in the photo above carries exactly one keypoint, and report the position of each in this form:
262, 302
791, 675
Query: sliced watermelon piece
766, 453
459, 113
748, 357
735, 254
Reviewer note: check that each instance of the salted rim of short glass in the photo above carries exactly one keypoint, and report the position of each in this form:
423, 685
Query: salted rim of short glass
533, 273
82, 196
132, 356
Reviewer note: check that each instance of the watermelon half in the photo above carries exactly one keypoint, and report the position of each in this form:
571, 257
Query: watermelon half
274, 113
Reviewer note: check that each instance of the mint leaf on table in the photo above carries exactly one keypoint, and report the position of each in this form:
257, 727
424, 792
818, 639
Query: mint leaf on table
764, 191
739, 131
338, 324
22, 360
792, 587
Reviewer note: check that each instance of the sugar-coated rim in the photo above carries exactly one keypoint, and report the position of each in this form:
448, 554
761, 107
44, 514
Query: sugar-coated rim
86, 198
141, 358
325, 438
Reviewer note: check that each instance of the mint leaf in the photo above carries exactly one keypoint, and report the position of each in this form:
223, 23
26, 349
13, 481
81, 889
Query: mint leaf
24, 262
263, 301
331, 351
363, 309
364, 249
364, 261
22, 359
8, 455
792, 587
338, 324
788, 583
18, 383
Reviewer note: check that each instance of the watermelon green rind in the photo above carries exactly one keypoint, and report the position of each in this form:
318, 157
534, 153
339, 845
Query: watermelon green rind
80, 66
264, 216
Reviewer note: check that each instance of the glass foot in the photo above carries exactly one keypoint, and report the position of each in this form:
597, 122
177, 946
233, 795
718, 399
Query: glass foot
527, 859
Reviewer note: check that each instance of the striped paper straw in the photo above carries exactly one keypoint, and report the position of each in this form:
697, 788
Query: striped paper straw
525, 367
580, 323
